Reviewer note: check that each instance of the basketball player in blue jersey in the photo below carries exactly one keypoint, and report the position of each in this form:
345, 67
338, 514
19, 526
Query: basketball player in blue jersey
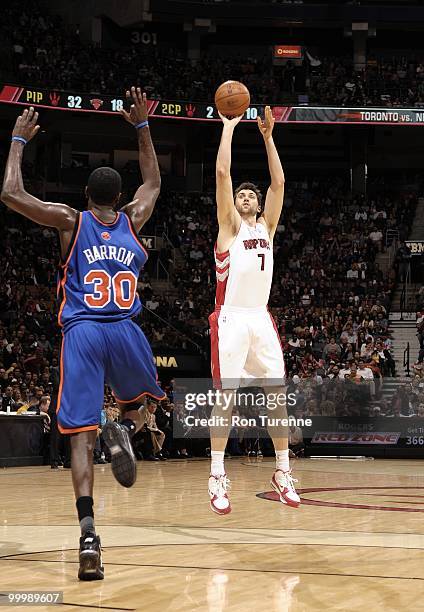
101, 260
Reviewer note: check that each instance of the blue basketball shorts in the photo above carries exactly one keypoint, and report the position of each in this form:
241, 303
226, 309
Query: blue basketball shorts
93, 354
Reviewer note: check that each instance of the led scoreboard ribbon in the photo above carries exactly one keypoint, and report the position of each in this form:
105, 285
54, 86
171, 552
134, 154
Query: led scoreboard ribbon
199, 111
64, 100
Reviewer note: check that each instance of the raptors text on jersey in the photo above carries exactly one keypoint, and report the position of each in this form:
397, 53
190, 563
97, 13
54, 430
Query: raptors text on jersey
98, 280
244, 272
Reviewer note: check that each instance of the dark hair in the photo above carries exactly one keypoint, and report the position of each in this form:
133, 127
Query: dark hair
252, 187
104, 185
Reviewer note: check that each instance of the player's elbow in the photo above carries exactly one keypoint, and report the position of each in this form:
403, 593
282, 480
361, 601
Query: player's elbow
222, 172
154, 188
278, 183
157, 186
9, 196
13, 198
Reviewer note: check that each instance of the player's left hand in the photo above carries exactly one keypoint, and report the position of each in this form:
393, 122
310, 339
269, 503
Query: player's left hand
231, 121
138, 110
26, 124
266, 126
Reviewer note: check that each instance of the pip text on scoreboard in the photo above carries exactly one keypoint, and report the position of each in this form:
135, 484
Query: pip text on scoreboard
200, 111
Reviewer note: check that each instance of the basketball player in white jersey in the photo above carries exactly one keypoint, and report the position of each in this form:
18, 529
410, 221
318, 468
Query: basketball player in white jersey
245, 345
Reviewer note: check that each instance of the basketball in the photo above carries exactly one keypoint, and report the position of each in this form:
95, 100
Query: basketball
232, 98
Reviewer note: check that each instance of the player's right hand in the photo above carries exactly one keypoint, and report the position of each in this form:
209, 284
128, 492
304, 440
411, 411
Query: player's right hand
231, 122
138, 110
26, 124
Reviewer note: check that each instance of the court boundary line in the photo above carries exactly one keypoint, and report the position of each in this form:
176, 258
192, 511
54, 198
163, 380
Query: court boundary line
106, 548
223, 569
101, 526
97, 607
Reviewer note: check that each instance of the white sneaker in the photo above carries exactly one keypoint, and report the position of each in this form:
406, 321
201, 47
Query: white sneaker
218, 486
282, 483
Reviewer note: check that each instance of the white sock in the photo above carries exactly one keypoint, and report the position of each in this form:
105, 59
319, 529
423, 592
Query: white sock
217, 463
282, 460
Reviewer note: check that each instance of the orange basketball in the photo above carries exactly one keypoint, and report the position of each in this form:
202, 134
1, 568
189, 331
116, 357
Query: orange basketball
232, 98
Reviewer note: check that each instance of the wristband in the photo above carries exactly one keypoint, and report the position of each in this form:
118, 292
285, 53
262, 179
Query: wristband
141, 125
20, 139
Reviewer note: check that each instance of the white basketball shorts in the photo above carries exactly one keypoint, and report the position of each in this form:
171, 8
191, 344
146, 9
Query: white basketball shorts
245, 347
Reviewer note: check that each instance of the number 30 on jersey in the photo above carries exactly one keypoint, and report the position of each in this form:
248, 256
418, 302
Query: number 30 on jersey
121, 288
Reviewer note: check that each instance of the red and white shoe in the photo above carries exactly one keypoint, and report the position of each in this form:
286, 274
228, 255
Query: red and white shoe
218, 486
282, 483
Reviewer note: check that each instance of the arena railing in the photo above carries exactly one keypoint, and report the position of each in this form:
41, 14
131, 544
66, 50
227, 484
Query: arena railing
406, 354
167, 241
405, 298
160, 269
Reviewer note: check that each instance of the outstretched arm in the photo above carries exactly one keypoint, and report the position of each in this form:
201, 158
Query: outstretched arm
146, 195
275, 194
228, 218
13, 192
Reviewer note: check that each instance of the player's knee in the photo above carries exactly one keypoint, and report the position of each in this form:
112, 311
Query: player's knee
84, 441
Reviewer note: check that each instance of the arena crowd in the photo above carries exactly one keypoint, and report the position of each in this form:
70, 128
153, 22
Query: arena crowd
330, 302
40, 50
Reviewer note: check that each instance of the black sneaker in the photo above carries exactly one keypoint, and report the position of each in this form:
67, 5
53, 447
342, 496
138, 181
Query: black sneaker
151, 458
90, 558
124, 464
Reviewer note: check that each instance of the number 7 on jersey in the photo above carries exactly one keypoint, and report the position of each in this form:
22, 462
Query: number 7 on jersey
262, 256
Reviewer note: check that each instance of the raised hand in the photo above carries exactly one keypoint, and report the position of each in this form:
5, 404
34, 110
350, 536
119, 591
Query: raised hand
266, 126
26, 124
138, 110
231, 122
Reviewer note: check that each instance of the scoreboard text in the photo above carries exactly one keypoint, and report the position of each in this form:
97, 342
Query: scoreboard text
200, 111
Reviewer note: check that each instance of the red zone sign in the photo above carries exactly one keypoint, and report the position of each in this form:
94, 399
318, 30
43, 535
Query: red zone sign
329, 437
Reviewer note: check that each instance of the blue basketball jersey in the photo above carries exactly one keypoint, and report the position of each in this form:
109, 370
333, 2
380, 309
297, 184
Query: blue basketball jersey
98, 281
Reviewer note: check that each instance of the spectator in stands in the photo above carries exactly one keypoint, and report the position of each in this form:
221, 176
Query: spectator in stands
158, 436
403, 260
163, 418
331, 351
376, 236
8, 403
41, 408
17, 396
153, 303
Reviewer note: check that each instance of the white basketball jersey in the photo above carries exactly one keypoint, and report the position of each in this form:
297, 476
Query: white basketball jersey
244, 272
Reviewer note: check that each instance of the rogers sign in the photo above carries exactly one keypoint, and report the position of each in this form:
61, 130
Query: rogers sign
288, 51
329, 437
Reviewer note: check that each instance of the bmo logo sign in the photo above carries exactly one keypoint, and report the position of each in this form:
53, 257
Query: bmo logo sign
416, 246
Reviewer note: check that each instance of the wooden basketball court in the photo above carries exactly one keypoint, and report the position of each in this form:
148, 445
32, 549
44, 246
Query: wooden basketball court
357, 540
